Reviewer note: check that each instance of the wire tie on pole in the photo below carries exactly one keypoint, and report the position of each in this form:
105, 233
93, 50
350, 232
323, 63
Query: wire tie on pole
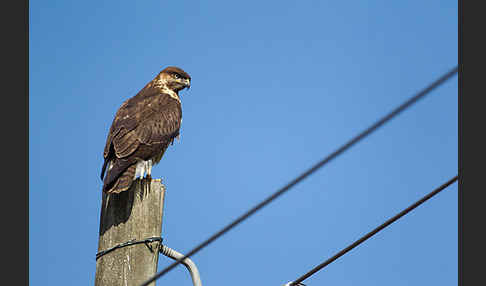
131, 242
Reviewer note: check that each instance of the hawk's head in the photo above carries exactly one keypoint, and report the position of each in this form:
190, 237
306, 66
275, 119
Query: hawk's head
174, 79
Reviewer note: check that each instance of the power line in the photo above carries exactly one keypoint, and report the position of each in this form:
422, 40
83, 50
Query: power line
317, 166
373, 232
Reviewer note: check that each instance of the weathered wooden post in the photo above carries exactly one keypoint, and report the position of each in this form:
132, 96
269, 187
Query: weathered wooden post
132, 215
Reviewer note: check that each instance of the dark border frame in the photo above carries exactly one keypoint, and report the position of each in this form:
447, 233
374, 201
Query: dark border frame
471, 117
15, 119
460, 162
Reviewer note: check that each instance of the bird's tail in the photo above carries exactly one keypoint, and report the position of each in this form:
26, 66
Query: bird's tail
104, 168
117, 181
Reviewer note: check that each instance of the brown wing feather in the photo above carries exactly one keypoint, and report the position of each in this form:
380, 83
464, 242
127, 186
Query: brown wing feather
142, 128
160, 127
124, 182
125, 143
131, 113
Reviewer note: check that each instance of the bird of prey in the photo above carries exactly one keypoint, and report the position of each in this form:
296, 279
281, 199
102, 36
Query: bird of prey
143, 128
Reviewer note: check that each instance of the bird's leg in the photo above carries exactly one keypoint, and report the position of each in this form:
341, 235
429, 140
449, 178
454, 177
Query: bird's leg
149, 169
139, 170
144, 169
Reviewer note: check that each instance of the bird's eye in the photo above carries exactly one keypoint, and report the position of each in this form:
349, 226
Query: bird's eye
176, 76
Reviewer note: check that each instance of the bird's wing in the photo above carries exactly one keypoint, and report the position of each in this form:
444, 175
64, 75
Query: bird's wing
147, 120
163, 124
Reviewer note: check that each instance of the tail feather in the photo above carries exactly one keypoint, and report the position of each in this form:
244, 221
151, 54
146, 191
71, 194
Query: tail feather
121, 183
104, 168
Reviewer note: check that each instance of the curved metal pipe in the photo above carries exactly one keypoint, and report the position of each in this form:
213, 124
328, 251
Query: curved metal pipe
191, 266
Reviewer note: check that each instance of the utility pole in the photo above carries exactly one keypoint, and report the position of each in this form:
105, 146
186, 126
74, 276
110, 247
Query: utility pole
132, 215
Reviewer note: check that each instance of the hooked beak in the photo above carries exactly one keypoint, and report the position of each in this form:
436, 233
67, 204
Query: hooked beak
187, 83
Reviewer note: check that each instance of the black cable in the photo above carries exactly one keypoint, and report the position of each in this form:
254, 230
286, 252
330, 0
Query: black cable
317, 166
130, 242
374, 231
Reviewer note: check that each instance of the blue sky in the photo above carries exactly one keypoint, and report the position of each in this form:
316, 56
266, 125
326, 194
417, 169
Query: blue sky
276, 86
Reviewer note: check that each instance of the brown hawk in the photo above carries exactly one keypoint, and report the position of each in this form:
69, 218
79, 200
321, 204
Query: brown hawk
143, 128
